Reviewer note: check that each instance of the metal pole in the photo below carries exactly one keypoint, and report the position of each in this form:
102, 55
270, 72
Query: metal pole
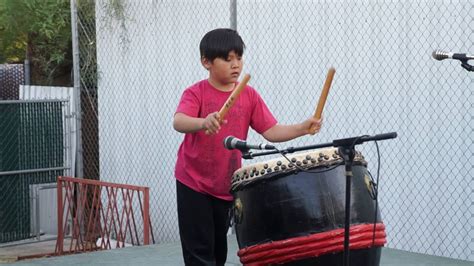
77, 90
32, 101
67, 139
27, 171
27, 69
37, 213
233, 14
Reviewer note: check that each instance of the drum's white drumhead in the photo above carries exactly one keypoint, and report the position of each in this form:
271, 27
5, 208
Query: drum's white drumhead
308, 159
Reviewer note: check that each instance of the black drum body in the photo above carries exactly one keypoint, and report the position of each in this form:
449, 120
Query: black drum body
294, 213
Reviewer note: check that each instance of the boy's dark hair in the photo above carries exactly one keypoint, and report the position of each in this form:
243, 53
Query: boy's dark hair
219, 43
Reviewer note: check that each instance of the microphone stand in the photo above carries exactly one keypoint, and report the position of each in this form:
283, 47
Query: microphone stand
246, 154
467, 66
346, 148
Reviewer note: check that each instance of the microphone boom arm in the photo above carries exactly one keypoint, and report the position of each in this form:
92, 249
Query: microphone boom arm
335, 143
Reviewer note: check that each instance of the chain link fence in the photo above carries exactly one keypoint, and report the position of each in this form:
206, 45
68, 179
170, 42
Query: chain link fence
137, 57
11, 76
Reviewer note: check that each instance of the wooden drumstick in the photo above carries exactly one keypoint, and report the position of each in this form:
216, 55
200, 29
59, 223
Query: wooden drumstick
323, 97
233, 96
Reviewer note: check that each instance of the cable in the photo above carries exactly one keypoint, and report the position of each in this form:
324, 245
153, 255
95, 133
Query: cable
376, 192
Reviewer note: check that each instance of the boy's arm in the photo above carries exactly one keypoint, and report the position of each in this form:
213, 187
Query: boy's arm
187, 124
280, 133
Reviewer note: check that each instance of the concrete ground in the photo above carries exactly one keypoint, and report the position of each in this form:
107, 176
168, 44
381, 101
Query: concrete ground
170, 254
12, 251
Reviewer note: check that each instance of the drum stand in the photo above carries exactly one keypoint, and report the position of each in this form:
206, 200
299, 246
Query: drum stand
346, 148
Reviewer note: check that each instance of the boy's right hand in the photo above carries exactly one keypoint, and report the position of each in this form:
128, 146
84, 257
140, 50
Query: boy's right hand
211, 123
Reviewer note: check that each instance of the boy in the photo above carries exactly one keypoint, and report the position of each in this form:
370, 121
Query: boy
204, 167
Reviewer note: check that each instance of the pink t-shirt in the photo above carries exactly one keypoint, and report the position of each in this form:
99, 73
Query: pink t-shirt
204, 164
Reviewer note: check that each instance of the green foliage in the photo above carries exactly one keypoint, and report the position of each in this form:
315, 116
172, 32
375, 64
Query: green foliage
40, 30
12, 42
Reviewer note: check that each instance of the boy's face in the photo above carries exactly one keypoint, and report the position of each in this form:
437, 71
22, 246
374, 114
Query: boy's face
224, 72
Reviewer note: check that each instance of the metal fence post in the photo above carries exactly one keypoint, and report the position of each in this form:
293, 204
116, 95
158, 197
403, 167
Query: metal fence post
77, 90
233, 14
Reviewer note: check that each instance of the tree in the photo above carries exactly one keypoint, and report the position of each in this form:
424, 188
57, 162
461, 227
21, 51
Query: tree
40, 31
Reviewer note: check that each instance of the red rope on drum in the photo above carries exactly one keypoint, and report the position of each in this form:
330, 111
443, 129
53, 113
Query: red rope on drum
297, 248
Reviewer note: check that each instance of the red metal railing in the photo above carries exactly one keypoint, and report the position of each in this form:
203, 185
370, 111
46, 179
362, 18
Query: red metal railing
98, 215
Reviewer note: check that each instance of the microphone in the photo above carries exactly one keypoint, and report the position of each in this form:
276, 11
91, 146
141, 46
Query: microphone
232, 142
441, 55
